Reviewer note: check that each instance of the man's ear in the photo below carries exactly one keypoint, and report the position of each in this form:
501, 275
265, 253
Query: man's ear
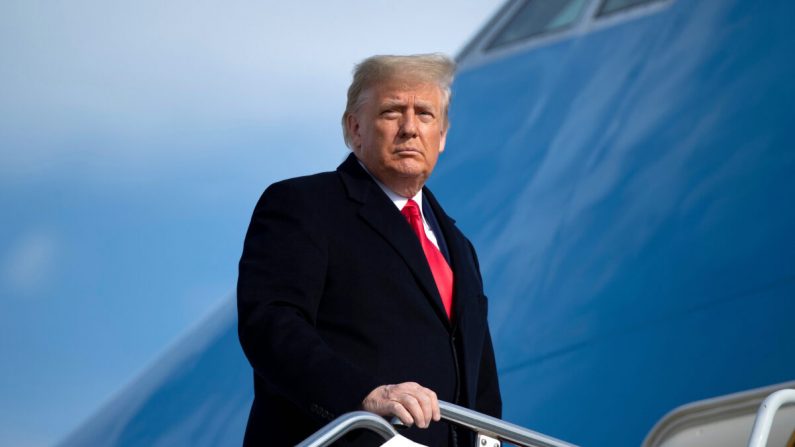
352, 125
442, 141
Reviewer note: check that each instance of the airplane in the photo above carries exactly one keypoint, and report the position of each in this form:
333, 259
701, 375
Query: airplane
625, 170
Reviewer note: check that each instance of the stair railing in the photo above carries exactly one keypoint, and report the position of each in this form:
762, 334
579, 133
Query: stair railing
490, 430
764, 417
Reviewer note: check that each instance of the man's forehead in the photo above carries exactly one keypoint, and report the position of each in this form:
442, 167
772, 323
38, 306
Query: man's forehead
400, 91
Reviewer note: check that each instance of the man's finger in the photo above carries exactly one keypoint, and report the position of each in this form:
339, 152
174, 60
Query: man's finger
413, 406
437, 412
424, 398
397, 409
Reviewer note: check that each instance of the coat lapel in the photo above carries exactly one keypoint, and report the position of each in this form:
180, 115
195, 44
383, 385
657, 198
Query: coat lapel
459, 250
469, 308
382, 215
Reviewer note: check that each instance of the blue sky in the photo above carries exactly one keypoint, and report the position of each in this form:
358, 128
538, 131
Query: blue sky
134, 141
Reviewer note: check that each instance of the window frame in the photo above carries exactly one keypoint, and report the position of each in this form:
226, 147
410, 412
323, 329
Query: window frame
599, 14
489, 45
478, 50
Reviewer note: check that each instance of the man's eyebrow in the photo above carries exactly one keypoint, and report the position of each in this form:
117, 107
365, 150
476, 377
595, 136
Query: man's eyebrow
396, 102
393, 102
425, 105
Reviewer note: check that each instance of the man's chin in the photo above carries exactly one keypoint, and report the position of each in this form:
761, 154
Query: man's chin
406, 171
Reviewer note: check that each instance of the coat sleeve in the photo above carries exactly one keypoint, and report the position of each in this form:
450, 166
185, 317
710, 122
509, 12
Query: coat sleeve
280, 286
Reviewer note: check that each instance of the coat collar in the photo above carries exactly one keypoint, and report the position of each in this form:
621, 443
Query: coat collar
381, 214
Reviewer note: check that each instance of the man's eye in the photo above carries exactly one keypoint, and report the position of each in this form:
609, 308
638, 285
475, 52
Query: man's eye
390, 113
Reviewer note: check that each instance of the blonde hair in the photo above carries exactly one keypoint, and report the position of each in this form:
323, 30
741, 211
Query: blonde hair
435, 68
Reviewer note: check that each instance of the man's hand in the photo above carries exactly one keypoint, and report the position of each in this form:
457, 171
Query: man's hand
410, 402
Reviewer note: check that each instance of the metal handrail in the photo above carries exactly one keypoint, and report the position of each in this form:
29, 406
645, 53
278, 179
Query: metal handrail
505, 431
347, 422
764, 417
477, 422
497, 428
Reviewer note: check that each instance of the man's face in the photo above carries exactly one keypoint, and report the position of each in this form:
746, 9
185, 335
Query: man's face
398, 132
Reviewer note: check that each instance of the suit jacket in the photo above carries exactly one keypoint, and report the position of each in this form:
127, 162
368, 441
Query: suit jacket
335, 298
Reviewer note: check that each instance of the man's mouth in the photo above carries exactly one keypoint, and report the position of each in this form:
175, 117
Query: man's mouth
407, 150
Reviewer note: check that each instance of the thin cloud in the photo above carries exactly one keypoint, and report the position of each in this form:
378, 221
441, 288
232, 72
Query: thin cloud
30, 262
90, 76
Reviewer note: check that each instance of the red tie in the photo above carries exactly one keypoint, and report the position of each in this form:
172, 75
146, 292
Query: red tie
442, 274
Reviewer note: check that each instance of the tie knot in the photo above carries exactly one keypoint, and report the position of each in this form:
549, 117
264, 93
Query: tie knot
411, 209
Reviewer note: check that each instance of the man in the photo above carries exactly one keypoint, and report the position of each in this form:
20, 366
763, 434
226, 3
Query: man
356, 290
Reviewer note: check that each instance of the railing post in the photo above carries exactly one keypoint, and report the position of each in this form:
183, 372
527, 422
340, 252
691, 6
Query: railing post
347, 422
764, 417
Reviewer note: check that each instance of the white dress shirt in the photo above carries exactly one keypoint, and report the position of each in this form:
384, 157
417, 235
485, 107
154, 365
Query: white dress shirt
401, 201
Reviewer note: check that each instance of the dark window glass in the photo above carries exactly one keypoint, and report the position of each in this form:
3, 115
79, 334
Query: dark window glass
611, 6
536, 17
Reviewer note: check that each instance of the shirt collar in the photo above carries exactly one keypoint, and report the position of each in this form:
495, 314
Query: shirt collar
397, 199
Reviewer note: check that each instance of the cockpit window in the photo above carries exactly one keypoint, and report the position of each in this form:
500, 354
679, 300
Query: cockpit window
522, 25
611, 6
536, 17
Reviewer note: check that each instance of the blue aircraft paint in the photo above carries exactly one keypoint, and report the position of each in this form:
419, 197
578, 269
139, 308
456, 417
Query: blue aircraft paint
629, 190
198, 394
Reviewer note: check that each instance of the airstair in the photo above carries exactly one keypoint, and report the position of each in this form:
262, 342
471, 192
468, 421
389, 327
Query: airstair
754, 418
492, 432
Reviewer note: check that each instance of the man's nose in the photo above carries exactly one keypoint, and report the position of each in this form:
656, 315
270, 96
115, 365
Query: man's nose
408, 128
